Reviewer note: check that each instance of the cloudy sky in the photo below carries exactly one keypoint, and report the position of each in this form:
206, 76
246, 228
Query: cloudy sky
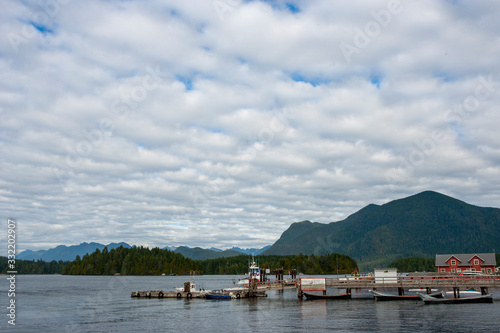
221, 122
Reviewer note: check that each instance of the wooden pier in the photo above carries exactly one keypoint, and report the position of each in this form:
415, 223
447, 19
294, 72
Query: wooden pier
423, 282
416, 281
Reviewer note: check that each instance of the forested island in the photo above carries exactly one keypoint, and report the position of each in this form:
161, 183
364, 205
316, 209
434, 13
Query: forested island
156, 261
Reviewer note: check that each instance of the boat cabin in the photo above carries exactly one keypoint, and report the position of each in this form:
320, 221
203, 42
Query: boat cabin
466, 263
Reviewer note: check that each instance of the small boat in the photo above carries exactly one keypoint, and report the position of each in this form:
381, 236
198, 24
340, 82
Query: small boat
477, 299
318, 296
216, 294
390, 297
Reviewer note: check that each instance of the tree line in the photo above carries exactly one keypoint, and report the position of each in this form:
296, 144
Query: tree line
156, 261
414, 264
33, 267
308, 264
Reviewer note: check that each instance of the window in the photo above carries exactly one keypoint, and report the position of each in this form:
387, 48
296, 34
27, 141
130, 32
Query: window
476, 261
453, 262
489, 270
473, 269
443, 270
453, 270
482, 270
459, 270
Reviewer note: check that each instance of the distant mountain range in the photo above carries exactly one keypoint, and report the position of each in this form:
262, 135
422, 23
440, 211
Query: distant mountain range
69, 253
198, 253
421, 225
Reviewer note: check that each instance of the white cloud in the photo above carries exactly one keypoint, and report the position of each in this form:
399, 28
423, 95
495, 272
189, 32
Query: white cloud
183, 123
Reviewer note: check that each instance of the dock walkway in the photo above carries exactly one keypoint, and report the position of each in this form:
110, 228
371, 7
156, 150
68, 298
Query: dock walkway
416, 281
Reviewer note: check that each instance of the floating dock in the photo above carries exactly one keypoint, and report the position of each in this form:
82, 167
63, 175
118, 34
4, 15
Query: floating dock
168, 294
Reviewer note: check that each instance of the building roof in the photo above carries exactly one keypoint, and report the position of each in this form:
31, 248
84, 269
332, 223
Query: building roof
463, 259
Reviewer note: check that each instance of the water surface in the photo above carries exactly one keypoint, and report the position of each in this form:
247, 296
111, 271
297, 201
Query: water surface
55, 303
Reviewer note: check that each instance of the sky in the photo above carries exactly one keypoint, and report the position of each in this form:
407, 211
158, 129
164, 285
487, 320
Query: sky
219, 123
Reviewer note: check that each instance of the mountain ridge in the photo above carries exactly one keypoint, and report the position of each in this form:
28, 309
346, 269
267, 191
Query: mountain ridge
69, 253
423, 224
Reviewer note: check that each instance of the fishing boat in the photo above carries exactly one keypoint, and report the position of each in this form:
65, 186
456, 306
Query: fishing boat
253, 275
476, 299
318, 296
379, 296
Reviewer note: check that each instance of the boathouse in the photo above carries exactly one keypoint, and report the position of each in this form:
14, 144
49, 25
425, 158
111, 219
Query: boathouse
459, 263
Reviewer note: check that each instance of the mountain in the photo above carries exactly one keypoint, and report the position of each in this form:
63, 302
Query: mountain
66, 253
198, 253
251, 250
215, 249
421, 225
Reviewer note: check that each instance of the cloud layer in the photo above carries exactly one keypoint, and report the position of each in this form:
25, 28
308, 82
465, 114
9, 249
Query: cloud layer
219, 123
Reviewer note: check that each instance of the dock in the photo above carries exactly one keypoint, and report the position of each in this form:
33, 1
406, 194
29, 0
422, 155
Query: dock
423, 282
168, 294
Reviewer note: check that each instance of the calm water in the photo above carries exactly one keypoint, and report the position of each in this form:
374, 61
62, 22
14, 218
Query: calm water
48, 303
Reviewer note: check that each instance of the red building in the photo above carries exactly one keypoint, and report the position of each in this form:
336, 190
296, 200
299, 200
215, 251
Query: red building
458, 263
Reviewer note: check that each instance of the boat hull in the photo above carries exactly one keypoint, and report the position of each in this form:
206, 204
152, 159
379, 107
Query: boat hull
479, 299
214, 296
316, 296
389, 297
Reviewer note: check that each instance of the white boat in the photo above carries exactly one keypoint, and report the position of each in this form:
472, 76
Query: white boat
192, 287
253, 274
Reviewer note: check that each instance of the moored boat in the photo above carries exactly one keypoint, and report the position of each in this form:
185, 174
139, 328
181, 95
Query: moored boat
380, 296
318, 296
253, 276
216, 294
477, 299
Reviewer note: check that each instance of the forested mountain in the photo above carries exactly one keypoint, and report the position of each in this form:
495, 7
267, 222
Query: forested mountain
421, 225
414, 264
198, 253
